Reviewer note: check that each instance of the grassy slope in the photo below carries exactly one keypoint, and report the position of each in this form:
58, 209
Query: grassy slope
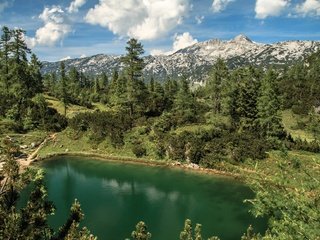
291, 121
72, 109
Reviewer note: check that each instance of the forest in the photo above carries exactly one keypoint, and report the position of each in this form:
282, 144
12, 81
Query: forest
235, 120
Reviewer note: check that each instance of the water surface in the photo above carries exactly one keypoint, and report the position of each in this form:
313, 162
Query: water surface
115, 196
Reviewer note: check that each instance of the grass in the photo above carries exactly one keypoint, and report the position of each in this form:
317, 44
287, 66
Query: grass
72, 109
34, 137
66, 142
291, 125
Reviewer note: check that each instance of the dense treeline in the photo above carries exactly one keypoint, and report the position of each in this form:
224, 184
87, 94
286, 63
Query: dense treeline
242, 105
21, 102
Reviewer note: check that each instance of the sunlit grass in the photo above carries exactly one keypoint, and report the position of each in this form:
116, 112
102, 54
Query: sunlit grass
291, 124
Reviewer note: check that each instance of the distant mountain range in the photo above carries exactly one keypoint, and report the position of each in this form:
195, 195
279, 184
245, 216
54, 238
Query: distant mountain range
196, 61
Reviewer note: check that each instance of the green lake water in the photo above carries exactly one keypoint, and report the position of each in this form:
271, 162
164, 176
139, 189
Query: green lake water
115, 196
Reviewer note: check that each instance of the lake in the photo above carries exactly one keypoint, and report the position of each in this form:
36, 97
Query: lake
115, 196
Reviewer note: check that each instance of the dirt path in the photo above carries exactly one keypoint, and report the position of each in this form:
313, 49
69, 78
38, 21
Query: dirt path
32, 156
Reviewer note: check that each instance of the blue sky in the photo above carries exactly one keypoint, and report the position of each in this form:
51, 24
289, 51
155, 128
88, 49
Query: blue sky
58, 29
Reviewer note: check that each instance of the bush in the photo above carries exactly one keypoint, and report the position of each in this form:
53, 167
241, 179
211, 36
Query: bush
139, 150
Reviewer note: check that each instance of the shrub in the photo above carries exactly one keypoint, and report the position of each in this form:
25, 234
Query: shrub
139, 150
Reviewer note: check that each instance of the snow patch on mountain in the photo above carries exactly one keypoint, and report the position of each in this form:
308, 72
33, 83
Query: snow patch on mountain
196, 60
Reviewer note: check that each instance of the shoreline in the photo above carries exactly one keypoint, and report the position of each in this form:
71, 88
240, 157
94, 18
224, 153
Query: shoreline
142, 161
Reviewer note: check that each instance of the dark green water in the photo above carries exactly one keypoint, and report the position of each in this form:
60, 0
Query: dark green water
115, 196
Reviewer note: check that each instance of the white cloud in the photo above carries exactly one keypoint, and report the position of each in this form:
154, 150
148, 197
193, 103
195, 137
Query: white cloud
83, 55
157, 52
309, 7
266, 8
199, 19
180, 41
220, 5
142, 19
65, 58
75, 5
56, 27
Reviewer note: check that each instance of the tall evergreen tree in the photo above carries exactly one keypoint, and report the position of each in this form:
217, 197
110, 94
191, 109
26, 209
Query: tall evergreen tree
36, 81
217, 81
184, 106
63, 91
5, 50
269, 105
243, 98
134, 65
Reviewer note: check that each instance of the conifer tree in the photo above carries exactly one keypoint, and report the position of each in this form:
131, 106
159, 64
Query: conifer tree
36, 81
6, 52
141, 232
216, 83
63, 88
34, 216
134, 65
243, 98
184, 106
268, 105
186, 233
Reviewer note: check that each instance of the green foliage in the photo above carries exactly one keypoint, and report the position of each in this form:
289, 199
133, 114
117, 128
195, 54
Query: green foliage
268, 105
135, 88
30, 222
187, 232
250, 235
184, 105
216, 86
138, 149
141, 232
102, 125
313, 124
290, 198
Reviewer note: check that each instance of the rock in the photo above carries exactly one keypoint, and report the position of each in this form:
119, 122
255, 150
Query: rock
193, 166
61, 146
33, 145
67, 150
23, 146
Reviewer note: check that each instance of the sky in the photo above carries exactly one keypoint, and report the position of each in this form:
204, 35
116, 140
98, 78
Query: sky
62, 29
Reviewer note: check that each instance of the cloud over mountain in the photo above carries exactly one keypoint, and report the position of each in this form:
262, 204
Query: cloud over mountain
56, 27
309, 8
268, 8
145, 20
180, 41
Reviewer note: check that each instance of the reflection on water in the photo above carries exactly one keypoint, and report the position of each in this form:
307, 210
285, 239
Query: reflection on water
114, 197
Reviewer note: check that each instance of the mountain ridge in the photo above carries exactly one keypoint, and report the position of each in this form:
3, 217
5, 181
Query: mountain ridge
195, 61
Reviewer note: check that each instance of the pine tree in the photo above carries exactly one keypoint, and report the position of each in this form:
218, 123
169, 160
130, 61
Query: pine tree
21, 87
269, 106
243, 98
134, 65
63, 88
36, 81
141, 232
184, 106
218, 78
6, 52
186, 233
34, 216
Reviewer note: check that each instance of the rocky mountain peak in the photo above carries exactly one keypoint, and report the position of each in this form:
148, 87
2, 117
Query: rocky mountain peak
242, 38
196, 61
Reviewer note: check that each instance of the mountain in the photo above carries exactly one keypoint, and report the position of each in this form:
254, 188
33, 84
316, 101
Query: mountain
196, 61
